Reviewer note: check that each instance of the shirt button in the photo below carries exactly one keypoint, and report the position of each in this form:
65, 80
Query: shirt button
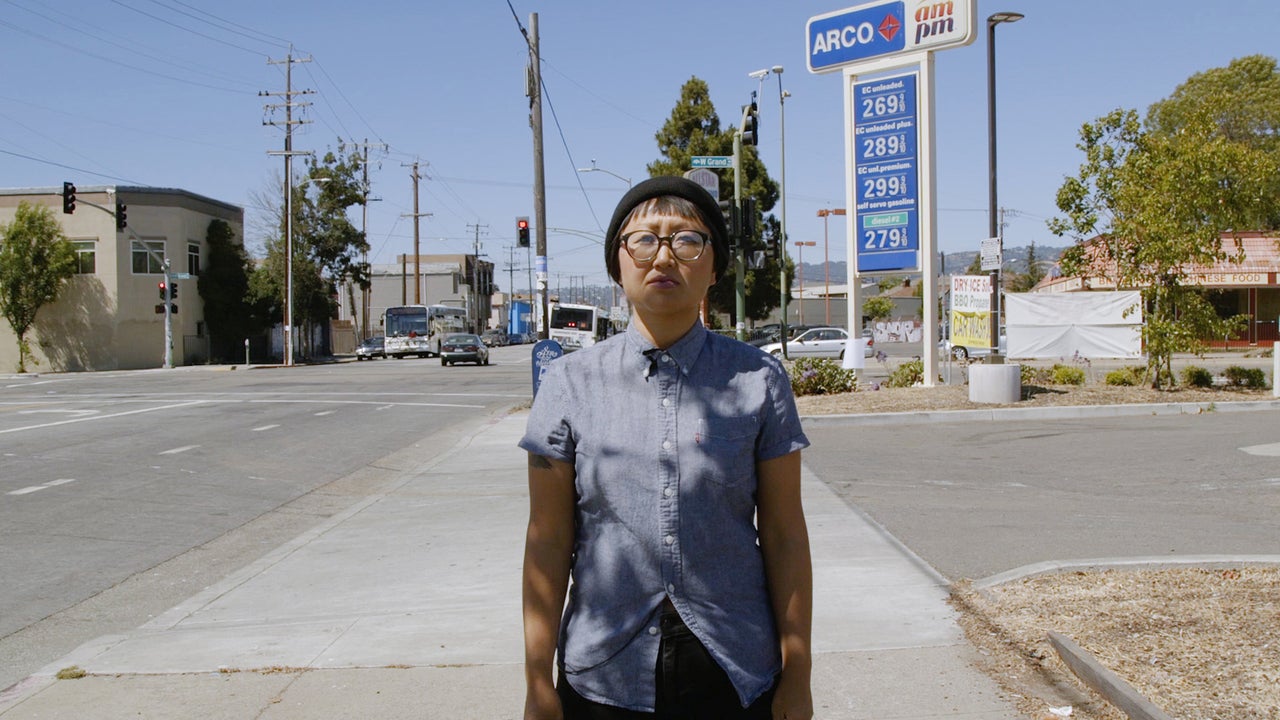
653, 631
666, 358
666, 444
671, 589
666, 402
669, 539
667, 492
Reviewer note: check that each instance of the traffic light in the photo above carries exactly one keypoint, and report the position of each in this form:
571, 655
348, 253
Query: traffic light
173, 290
732, 220
164, 295
522, 231
751, 126
68, 198
748, 221
122, 217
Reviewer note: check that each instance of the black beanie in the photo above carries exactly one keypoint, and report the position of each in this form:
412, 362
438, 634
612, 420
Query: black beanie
679, 187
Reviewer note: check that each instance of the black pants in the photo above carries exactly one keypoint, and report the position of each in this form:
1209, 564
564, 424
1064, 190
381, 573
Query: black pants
691, 686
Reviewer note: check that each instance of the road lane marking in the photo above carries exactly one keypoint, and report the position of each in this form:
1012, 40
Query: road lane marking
1269, 450
177, 450
37, 488
102, 417
322, 413
382, 403
265, 427
59, 411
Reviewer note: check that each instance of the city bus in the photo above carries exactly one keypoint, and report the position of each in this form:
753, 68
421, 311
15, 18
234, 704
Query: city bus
578, 326
417, 329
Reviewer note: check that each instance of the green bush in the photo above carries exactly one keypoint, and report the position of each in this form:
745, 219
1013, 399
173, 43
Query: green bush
1196, 376
820, 376
1035, 375
908, 374
1125, 376
1252, 378
1067, 375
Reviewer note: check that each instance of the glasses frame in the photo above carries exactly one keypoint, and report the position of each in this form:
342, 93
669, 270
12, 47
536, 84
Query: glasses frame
668, 239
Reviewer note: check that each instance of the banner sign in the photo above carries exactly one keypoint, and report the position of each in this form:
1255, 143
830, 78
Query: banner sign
971, 311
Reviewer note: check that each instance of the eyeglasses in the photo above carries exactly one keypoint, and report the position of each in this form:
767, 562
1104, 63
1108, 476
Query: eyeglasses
686, 245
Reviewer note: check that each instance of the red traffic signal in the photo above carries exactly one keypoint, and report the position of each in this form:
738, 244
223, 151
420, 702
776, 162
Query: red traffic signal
522, 231
164, 294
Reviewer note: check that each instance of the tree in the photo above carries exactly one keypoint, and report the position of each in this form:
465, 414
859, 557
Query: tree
36, 260
327, 246
694, 129
1022, 282
230, 310
1242, 104
1147, 204
877, 308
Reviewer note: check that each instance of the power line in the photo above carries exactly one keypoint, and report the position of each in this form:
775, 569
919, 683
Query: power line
187, 29
271, 39
70, 167
73, 48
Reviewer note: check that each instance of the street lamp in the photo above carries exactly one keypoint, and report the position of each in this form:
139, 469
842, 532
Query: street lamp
826, 262
782, 186
992, 225
288, 265
593, 168
800, 271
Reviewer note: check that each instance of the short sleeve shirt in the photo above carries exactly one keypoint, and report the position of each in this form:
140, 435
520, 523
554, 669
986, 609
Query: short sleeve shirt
664, 444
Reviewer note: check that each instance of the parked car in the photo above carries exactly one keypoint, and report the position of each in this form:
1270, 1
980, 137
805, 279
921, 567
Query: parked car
962, 353
374, 347
495, 338
824, 342
463, 347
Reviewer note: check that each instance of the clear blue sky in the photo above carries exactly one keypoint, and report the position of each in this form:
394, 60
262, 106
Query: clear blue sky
165, 93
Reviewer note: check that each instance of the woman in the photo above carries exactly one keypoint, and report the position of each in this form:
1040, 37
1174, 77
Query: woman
664, 478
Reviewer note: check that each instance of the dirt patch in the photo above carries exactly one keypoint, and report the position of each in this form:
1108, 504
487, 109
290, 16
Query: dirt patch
1202, 644
1199, 643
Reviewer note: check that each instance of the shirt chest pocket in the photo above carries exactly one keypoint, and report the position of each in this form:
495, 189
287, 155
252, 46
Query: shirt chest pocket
726, 448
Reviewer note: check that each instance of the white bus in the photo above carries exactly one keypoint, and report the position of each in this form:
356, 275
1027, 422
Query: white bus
417, 329
578, 326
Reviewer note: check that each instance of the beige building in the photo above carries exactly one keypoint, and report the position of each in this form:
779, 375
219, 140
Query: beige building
106, 317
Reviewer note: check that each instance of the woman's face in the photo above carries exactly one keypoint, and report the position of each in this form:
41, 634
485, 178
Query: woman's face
665, 285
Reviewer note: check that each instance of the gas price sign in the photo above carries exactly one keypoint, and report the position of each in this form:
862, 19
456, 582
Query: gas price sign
886, 170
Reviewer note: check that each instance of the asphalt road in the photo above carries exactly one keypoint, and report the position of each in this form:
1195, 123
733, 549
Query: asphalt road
122, 493
978, 498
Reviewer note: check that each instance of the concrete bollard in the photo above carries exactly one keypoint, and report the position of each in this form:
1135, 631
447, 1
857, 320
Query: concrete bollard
995, 383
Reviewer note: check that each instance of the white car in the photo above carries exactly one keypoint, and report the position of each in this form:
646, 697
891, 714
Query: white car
827, 342
961, 353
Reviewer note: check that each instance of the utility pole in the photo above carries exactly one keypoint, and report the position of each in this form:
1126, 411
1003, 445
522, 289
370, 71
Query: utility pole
364, 230
475, 278
511, 283
539, 179
288, 153
417, 256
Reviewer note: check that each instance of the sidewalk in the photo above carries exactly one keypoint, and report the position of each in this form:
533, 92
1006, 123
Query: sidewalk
407, 605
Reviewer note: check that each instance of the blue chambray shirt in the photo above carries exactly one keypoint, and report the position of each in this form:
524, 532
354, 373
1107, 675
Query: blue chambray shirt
665, 446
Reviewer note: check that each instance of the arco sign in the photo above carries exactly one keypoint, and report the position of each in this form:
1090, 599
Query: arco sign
874, 30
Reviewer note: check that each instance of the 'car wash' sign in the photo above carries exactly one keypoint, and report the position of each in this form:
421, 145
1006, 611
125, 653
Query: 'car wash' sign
883, 28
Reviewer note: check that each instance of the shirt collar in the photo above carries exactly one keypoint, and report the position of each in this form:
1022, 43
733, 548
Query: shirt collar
683, 351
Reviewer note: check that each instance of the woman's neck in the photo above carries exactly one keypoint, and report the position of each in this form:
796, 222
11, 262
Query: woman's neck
663, 330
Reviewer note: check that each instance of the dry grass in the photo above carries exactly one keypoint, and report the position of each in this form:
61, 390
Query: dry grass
1201, 644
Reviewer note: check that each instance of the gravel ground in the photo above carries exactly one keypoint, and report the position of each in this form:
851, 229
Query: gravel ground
1202, 644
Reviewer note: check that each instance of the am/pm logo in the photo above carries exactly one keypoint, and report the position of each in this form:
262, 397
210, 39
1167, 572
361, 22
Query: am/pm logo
884, 28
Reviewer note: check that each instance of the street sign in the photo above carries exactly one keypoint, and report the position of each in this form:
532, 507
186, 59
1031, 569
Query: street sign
711, 161
887, 174
544, 351
873, 30
991, 254
180, 276
707, 179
